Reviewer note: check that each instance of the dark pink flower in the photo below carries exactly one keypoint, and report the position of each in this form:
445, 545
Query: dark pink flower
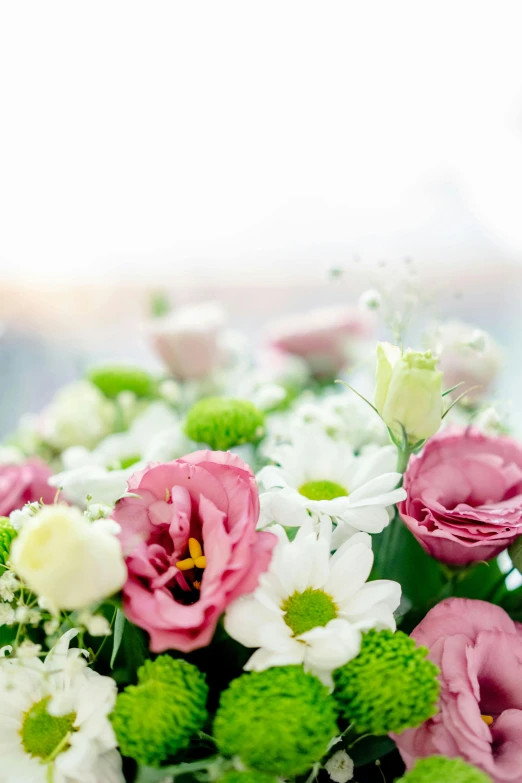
464, 495
478, 649
206, 500
25, 483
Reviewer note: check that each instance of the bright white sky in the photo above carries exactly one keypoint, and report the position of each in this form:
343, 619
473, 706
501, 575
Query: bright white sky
145, 138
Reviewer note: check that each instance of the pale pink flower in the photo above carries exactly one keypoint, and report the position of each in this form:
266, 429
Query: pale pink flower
206, 501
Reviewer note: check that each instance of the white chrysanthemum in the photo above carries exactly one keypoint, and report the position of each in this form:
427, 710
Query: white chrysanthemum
53, 720
311, 608
154, 436
323, 476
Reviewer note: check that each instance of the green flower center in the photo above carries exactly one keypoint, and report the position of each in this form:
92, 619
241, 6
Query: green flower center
322, 490
44, 735
307, 610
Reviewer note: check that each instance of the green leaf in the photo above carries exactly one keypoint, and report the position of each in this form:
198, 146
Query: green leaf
361, 396
368, 749
448, 391
119, 626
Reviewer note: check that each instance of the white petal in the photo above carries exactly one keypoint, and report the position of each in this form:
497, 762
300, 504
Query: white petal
372, 519
264, 659
380, 591
382, 486
371, 466
349, 571
379, 617
333, 645
244, 619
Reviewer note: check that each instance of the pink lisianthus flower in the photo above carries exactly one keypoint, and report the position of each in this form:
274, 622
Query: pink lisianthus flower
478, 649
191, 341
190, 545
24, 483
464, 495
326, 338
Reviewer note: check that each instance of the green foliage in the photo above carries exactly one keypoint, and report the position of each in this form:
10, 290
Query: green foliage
156, 718
278, 721
389, 687
223, 423
436, 769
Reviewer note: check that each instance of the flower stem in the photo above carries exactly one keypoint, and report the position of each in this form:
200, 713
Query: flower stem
403, 457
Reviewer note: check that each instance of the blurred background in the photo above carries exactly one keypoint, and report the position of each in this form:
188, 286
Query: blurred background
274, 156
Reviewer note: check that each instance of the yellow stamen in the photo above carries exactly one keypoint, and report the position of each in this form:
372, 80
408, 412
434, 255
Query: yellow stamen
195, 549
185, 565
488, 720
196, 585
196, 560
167, 496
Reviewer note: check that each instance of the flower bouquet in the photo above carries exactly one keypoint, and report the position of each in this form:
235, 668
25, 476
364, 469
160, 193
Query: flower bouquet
245, 572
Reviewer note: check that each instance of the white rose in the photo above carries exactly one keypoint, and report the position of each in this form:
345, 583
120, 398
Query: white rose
66, 559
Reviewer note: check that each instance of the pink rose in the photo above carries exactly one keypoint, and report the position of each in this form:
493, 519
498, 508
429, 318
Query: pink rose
25, 483
327, 338
464, 495
204, 505
478, 649
191, 341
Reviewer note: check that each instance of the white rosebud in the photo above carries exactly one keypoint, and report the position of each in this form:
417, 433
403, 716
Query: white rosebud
370, 300
340, 767
408, 392
66, 559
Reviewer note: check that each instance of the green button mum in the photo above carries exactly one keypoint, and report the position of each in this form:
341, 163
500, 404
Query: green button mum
389, 687
111, 380
436, 769
223, 423
278, 721
7, 535
234, 776
156, 718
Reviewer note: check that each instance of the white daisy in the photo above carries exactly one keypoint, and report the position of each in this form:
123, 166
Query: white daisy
323, 476
310, 608
154, 436
53, 720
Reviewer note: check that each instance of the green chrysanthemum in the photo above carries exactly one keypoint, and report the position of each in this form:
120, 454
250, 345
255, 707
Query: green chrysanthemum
390, 686
113, 379
7, 534
223, 423
279, 721
436, 769
157, 717
233, 776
